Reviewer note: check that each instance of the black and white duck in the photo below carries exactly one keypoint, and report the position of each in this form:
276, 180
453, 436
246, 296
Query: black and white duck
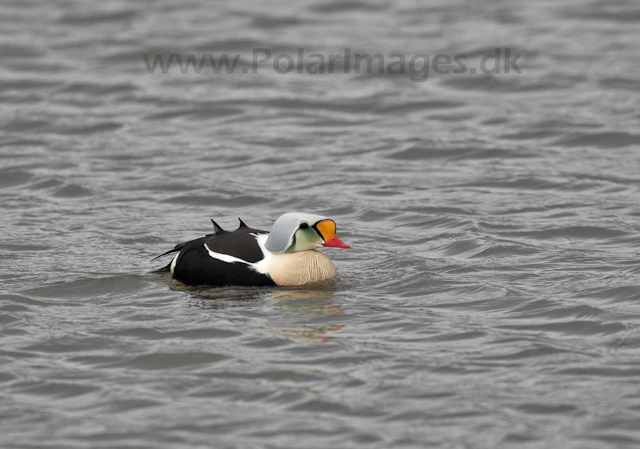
285, 256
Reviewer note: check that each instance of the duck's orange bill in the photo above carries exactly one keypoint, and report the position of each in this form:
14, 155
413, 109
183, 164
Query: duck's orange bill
335, 242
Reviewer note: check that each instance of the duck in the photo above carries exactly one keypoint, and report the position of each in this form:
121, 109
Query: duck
286, 256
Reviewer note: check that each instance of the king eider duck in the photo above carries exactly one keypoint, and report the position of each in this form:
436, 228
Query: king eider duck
285, 256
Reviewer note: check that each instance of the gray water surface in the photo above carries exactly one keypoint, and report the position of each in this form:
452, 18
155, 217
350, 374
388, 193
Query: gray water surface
493, 295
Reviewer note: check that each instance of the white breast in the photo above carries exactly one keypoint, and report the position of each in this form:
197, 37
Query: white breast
290, 269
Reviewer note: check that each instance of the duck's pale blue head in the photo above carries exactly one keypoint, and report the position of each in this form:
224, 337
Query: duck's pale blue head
296, 231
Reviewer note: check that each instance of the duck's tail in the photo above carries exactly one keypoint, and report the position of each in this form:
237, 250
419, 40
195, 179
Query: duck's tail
167, 268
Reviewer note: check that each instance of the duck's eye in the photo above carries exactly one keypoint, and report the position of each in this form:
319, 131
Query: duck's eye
303, 226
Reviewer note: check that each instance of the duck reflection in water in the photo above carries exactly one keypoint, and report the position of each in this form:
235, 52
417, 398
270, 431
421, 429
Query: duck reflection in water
310, 303
313, 304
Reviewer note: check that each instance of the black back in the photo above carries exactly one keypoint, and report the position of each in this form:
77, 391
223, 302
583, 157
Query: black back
195, 266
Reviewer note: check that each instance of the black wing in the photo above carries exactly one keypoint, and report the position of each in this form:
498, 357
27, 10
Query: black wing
195, 266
